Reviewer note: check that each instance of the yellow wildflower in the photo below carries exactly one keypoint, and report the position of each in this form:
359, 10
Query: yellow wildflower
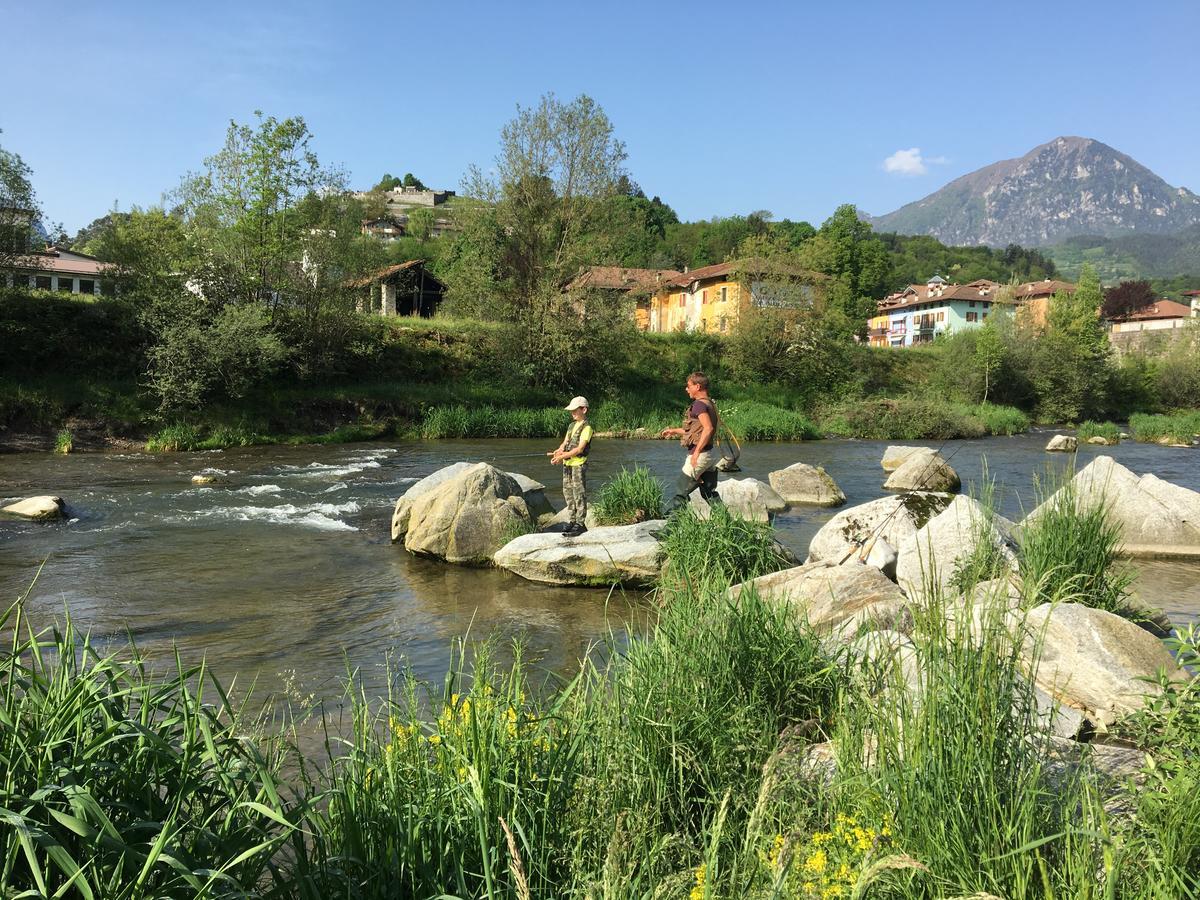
816, 862
698, 892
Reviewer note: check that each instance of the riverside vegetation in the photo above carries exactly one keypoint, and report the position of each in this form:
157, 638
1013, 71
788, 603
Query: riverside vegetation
234, 319
660, 769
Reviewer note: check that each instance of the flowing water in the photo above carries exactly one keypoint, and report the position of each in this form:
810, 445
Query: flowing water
284, 573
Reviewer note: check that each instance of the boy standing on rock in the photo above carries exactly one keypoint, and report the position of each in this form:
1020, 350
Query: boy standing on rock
698, 435
572, 453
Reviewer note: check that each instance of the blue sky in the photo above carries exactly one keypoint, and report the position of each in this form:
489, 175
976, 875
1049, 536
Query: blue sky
725, 108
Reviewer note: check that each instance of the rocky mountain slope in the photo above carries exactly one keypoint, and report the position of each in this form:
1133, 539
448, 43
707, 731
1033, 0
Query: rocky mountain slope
1069, 186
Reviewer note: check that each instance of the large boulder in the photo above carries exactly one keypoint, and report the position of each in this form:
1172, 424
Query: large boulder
1062, 443
1094, 661
1155, 516
840, 599
802, 483
890, 518
924, 472
468, 517
934, 554
39, 509
532, 491
748, 498
897, 454
616, 554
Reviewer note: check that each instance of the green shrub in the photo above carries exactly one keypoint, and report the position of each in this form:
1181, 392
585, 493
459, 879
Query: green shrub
1107, 430
722, 549
753, 421
64, 442
1069, 552
632, 495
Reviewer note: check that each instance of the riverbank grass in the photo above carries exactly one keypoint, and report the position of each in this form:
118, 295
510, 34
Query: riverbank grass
1110, 431
1178, 428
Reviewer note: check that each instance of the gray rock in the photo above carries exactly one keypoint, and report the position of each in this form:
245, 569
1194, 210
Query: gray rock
533, 492
468, 517
746, 497
832, 598
563, 517
804, 484
1062, 443
896, 454
39, 509
1101, 441
931, 556
890, 519
924, 472
1094, 661
616, 554
1156, 517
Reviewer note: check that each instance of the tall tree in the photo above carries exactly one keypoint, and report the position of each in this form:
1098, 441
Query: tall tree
1127, 298
1071, 366
559, 163
846, 249
19, 210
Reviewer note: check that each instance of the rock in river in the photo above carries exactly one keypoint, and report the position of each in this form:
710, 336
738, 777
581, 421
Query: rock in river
746, 497
532, 491
467, 517
616, 554
931, 556
802, 483
895, 455
1094, 661
890, 518
1157, 518
1062, 443
834, 598
923, 472
40, 509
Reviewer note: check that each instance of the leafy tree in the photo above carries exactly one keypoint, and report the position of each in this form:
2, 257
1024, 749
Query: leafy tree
989, 354
386, 183
1071, 364
1127, 298
857, 262
19, 210
244, 209
412, 181
420, 223
544, 218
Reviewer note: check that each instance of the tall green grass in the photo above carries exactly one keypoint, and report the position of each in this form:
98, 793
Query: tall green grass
115, 783
632, 495
1069, 552
723, 549
1180, 427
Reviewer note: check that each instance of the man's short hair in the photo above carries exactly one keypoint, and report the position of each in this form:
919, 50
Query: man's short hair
699, 379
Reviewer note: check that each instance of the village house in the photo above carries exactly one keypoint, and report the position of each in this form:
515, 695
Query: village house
385, 228
712, 298
54, 269
920, 312
1033, 298
1194, 299
407, 289
618, 281
1158, 316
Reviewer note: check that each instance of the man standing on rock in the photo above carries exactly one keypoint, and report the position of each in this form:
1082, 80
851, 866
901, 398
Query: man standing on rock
698, 435
572, 453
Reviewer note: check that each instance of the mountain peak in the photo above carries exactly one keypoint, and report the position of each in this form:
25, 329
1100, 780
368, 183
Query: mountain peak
1068, 186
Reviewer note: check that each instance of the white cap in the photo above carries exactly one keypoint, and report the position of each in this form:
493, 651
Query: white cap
576, 403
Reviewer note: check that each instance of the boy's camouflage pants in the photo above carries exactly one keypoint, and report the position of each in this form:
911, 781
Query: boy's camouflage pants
575, 492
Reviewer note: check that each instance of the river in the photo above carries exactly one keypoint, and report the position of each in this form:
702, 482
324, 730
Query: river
285, 573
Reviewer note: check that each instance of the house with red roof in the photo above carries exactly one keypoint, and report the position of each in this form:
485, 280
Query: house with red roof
1158, 316
55, 269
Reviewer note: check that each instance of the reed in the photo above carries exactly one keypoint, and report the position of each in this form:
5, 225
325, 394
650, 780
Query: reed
1107, 430
723, 548
1179, 428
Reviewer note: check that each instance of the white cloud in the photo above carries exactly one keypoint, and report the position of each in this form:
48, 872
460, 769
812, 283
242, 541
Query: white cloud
910, 162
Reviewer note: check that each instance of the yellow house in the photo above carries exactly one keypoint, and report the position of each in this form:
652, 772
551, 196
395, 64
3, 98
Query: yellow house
712, 298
